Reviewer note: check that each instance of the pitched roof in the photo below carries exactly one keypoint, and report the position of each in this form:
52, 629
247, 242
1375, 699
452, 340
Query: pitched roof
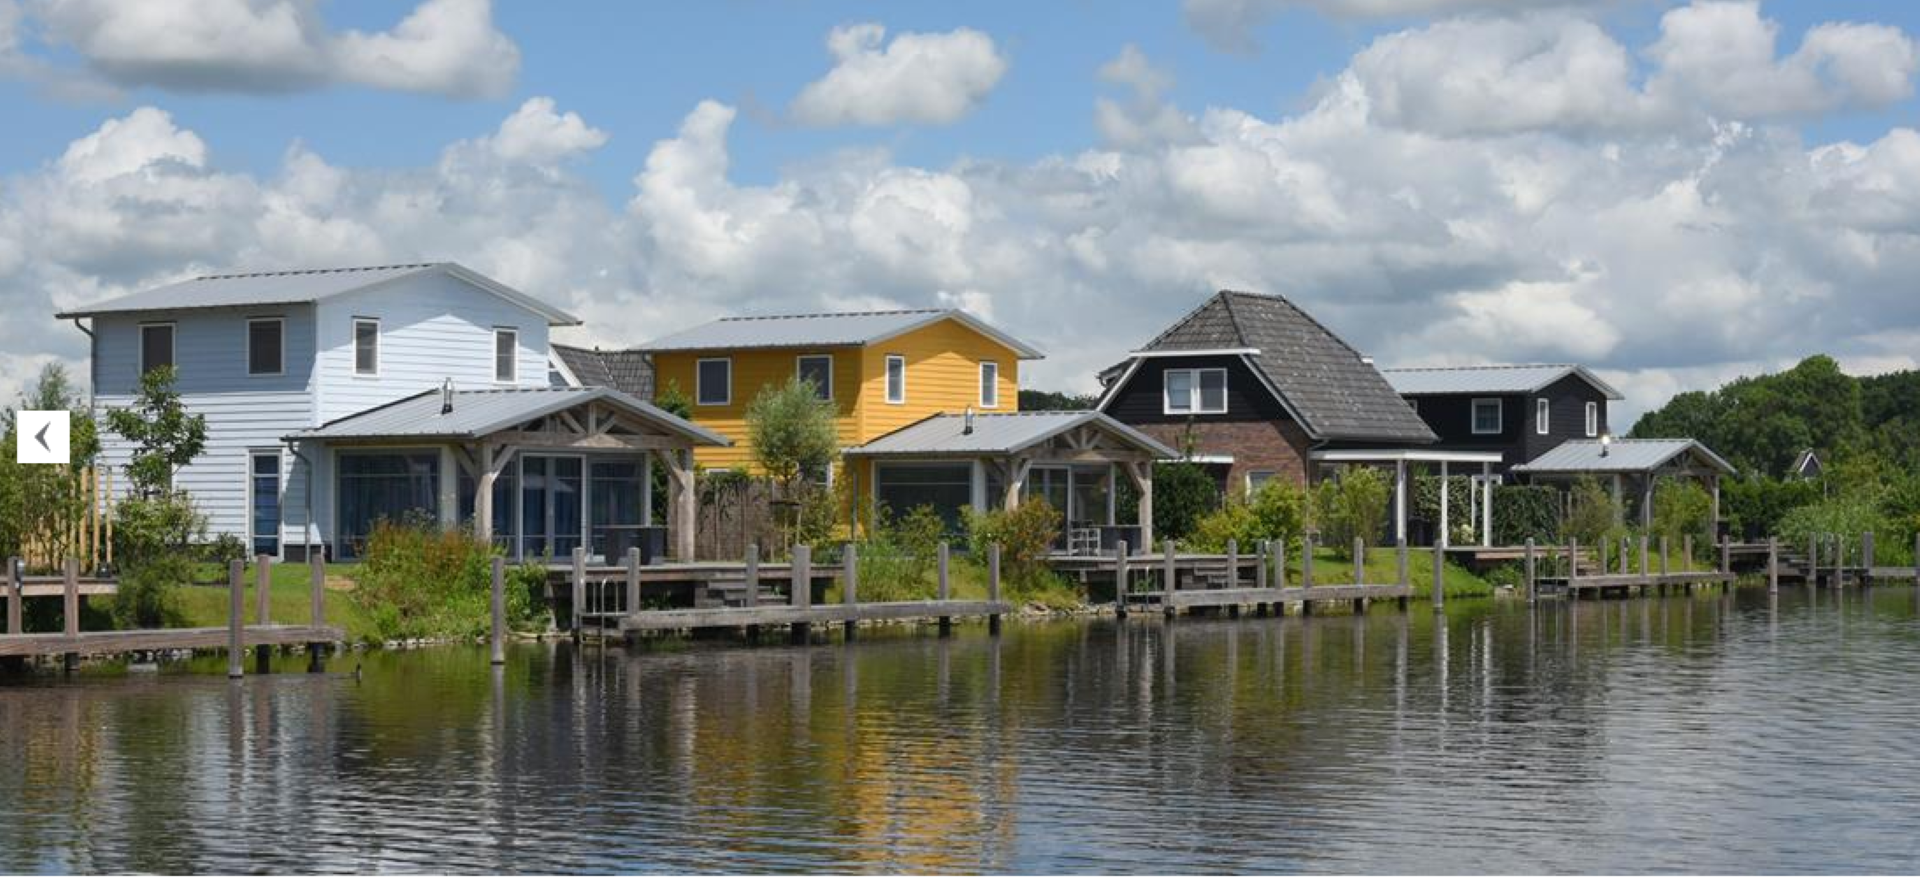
1332, 389
1621, 456
1000, 433
626, 371
1490, 379
478, 413
831, 330
300, 286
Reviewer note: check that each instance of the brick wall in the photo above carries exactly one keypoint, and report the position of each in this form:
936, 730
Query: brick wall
1277, 446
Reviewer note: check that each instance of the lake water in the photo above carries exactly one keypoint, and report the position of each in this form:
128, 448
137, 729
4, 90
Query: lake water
1711, 733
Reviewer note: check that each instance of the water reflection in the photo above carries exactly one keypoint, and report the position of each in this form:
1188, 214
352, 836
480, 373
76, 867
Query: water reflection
1744, 733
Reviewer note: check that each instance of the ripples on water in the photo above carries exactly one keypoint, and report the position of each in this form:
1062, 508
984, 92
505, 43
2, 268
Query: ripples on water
1708, 734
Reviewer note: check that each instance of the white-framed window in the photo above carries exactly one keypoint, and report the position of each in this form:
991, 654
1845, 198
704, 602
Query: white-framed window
266, 346
989, 385
816, 369
366, 347
506, 354
156, 347
1197, 391
263, 500
1541, 412
713, 381
1257, 479
896, 378
1593, 419
1487, 417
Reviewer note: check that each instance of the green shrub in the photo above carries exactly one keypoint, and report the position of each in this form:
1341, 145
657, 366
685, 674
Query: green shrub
1183, 492
149, 528
1590, 512
1522, 512
417, 581
1351, 504
1847, 517
1276, 512
1681, 508
898, 557
1025, 535
148, 595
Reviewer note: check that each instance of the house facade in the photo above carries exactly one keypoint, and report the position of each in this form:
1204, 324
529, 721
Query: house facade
1521, 411
271, 359
881, 370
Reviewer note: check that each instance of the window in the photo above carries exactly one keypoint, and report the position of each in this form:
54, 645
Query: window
1196, 391
989, 385
901, 488
1541, 410
816, 369
366, 347
264, 492
506, 354
265, 346
713, 382
896, 379
374, 487
1593, 419
1257, 479
1486, 415
156, 347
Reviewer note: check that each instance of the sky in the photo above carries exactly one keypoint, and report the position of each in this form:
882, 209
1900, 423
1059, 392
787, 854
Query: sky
1674, 194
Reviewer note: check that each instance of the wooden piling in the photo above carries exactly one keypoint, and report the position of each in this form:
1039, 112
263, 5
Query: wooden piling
1120, 580
993, 585
1260, 551
1916, 559
579, 592
633, 597
1686, 552
1573, 562
753, 575
801, 590
71, 609
1601, 548
15, 596
1406, 573
849, 583
1359, 560
263, 608
1530, 571
1306, 563
1233, 564
498, 638
317, 599
1726, 561
1866, 555
236, 616
1665, 563
1643, 556
1280, 564
946, 585
1773, 565
1170, 579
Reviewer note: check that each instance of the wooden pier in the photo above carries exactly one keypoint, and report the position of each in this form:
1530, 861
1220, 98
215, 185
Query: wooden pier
1234, 581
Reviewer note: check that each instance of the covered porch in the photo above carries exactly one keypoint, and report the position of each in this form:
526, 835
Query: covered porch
1476, 465
1074, 460
542, 473
1630, 469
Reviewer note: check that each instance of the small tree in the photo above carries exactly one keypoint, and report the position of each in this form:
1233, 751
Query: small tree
792, 431
1182, 494
1590, 512
165, 436
1355, 505
57, 497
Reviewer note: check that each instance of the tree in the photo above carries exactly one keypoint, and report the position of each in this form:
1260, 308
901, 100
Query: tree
792, 431
1183, 492
165, 436
44, 502
1031, 400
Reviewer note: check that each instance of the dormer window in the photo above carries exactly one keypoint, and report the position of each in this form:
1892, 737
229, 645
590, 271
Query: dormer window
1195, 392
1487, 415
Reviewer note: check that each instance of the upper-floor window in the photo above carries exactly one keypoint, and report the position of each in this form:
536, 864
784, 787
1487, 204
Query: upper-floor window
1593, 419
1202, 391
816, 370
1487, 415
506, 354
266, 346
896, 378
989, 385
713, 381
366, 347
156, 347
1541, 410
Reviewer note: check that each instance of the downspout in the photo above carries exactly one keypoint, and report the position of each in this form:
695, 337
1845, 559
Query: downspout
306, 528
92, 364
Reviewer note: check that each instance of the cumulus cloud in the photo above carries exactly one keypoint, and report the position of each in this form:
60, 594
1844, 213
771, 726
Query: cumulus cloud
1146, 118
1672, 253
932, 79
445, 47
1228, 24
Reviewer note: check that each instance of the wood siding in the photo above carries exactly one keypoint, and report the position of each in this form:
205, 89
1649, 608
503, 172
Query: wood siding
1451, 417
1255, 430
943, 375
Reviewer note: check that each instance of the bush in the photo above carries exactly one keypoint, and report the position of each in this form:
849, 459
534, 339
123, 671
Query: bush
1353, 504
1025, 535
148, 593
1681, 508
1426, 505
418, 581
898, 557
1522, 512
149, 528
1183, 492
1847, 517
1277, 512
224, 549
1590, 513
1755, 506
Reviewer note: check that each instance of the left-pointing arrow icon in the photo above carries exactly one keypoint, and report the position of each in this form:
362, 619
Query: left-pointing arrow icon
41, 436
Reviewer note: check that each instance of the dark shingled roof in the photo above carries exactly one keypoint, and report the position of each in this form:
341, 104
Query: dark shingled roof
1337, 394
629, 372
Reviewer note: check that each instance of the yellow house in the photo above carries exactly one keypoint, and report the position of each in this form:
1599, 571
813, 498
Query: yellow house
882, 370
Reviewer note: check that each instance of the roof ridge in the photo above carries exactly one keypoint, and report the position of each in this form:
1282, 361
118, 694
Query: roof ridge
228, 276
863, 313
1302, 313
1457, 368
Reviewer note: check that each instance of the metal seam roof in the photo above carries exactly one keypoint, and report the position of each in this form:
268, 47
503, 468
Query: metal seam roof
1490, 379
238, 290
1621, 456
998, 433
821, 330
477, 413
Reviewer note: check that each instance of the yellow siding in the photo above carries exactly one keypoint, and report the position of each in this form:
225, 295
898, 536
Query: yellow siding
943, 375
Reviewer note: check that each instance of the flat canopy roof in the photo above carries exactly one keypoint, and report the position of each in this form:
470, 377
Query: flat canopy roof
1358, 456
1000, 434
477, 414
1622, 456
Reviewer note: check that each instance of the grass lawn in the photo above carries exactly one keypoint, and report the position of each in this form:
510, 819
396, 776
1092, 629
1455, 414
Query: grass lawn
292, 603
1383, 567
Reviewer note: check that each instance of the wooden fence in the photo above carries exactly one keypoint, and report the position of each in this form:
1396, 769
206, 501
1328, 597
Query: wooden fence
76, 524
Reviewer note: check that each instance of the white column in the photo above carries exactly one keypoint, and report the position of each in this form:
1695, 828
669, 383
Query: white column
449, 489
646, 488
977, 486
1446, 523
1486, 504
1400, 502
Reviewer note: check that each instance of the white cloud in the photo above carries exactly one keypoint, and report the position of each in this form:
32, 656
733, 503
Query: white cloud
535, 134
445, 47
1146, 119
1722, 55
932, 79
1228, 24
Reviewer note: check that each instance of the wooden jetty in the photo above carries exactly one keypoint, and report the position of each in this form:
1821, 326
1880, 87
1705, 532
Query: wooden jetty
1188, 582
238, 635
1620, 575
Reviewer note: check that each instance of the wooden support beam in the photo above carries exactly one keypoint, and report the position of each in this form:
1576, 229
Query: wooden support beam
753, 575
801, 585
633, 580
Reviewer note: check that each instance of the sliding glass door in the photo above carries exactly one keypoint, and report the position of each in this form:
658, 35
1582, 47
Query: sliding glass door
552, 504
377, 487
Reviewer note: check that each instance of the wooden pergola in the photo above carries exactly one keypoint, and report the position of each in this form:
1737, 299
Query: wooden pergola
1444, 460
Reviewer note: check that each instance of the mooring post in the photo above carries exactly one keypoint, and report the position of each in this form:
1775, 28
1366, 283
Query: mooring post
1773, 564
1686, 553
262, 608
850, 583
1600, 546
1866, 558
1120, 579
993, 587
1359, 560
317, 598
1643, 561
946, 588
1260, 552
1233, 563
1280, 564
1306, 563
633, 581
1169, 581
498, 637
71, 610
236, 616
1813, 558
1530, 570
579, 593
1439, 578
1916, 559
1573, 562
14, 595
753, 575
1726, 563
802, 589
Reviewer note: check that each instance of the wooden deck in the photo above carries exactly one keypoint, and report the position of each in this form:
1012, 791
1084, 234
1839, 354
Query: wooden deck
685, 619
1241, 597
197, 638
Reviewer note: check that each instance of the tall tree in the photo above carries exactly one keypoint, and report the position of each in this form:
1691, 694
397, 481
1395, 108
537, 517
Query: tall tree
165, 436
